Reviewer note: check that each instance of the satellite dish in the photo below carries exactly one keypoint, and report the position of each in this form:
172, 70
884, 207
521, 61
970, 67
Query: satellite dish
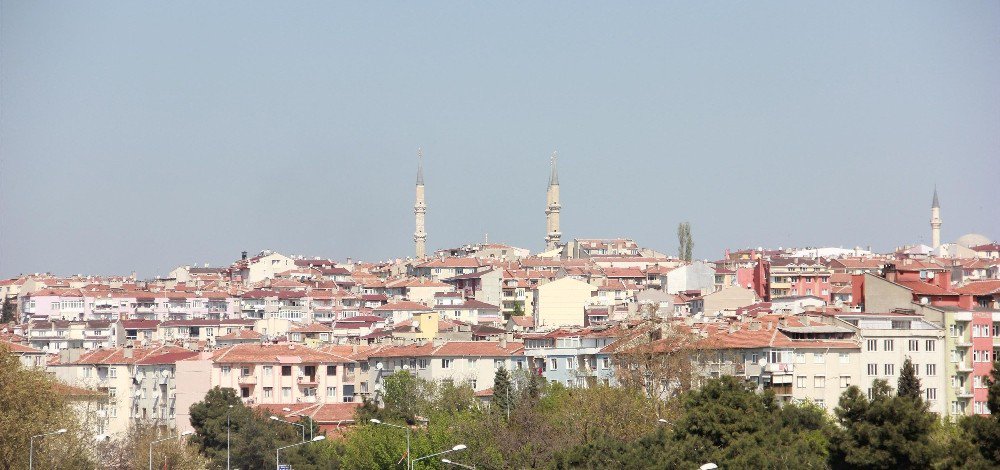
406, 366
378, 366
762, 362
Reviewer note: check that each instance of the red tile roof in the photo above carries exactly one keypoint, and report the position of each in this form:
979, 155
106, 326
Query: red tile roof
980, 288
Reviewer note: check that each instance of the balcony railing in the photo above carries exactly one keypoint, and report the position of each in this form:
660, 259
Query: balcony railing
248, 380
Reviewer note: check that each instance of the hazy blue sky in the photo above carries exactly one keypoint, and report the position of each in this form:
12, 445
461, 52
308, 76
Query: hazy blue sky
141, 136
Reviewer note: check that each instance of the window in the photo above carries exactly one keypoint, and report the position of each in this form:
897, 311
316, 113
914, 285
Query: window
931, 369
268, 391
845, 381
753, 358
888, 344
113, 372
914, 345
112, 392
86, 371
422, 363
472, 363
331, 391
114, 412
286, 371
800, 382
977, 381
445, 363
245, 392
819, 358
497, 363
931, 393
267, 371
819, 381
820, 403
331, 370
244, 371
916, 369
889, 369
873, 345
845, 358
286, 392
225, 370
607, 362
871, 393
555, 363
872, 369
209, 332
800, 358
569, 362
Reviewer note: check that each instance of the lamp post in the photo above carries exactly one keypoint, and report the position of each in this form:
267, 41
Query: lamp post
161, 440
31, 446
409, 463
275, 418
228, 432
450, 462
453, 449
277, 453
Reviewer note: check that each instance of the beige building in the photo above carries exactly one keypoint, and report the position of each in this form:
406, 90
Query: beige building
561, 302
727, 300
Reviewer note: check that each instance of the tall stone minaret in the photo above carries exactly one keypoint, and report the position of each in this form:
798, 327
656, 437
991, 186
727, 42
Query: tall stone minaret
935, 221
419, 209
553, 235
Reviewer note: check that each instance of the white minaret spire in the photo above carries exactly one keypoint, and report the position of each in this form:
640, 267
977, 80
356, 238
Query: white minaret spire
419, 209
935, 221
552, 235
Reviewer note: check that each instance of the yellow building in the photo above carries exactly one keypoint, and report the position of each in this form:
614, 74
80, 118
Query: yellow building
561, 302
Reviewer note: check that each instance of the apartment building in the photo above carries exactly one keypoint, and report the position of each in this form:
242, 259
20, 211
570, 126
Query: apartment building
888, 339
573, 357
471, 362
799, 360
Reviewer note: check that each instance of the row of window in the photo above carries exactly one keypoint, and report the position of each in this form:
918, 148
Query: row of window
890, 369
286, 371
819, 381
912, 345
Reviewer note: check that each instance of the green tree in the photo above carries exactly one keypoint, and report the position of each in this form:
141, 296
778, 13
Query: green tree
887, 431
253, 439
131, 451
31, 403
518, 310
503, 393
9, 312
908, 384
685, 242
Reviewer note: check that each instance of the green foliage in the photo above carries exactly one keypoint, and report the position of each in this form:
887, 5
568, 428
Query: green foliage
685, 242
254, 437
908, 384
30, 404
503, 393
9, 312
885, 432
518, 310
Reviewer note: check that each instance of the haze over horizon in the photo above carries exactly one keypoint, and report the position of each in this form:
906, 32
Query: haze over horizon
140, 137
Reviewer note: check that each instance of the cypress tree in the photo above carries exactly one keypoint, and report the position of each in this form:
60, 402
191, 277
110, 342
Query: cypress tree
908, 385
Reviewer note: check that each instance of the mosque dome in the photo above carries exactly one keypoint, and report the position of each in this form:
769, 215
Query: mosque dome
970, 240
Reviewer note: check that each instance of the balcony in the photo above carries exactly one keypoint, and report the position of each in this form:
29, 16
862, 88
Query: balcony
779, 368
963, 366
248, 380
962, 392
307, 380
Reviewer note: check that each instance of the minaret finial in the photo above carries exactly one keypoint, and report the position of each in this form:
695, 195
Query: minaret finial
935, 203
554, 175
420, 166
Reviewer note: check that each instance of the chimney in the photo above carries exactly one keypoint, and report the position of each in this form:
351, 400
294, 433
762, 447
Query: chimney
943, 279
244, 255
503, 342
128, 353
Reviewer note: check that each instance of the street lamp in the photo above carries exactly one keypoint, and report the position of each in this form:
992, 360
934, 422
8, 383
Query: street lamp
277, 453
450, 462
228, 432
275, 418
453, 449
31, 446
186, 433
409, 463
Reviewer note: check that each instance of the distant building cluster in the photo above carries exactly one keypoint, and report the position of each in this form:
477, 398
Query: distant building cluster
313, 336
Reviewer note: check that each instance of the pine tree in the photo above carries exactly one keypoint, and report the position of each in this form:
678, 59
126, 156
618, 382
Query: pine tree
908, 385
685, 242
503, 395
